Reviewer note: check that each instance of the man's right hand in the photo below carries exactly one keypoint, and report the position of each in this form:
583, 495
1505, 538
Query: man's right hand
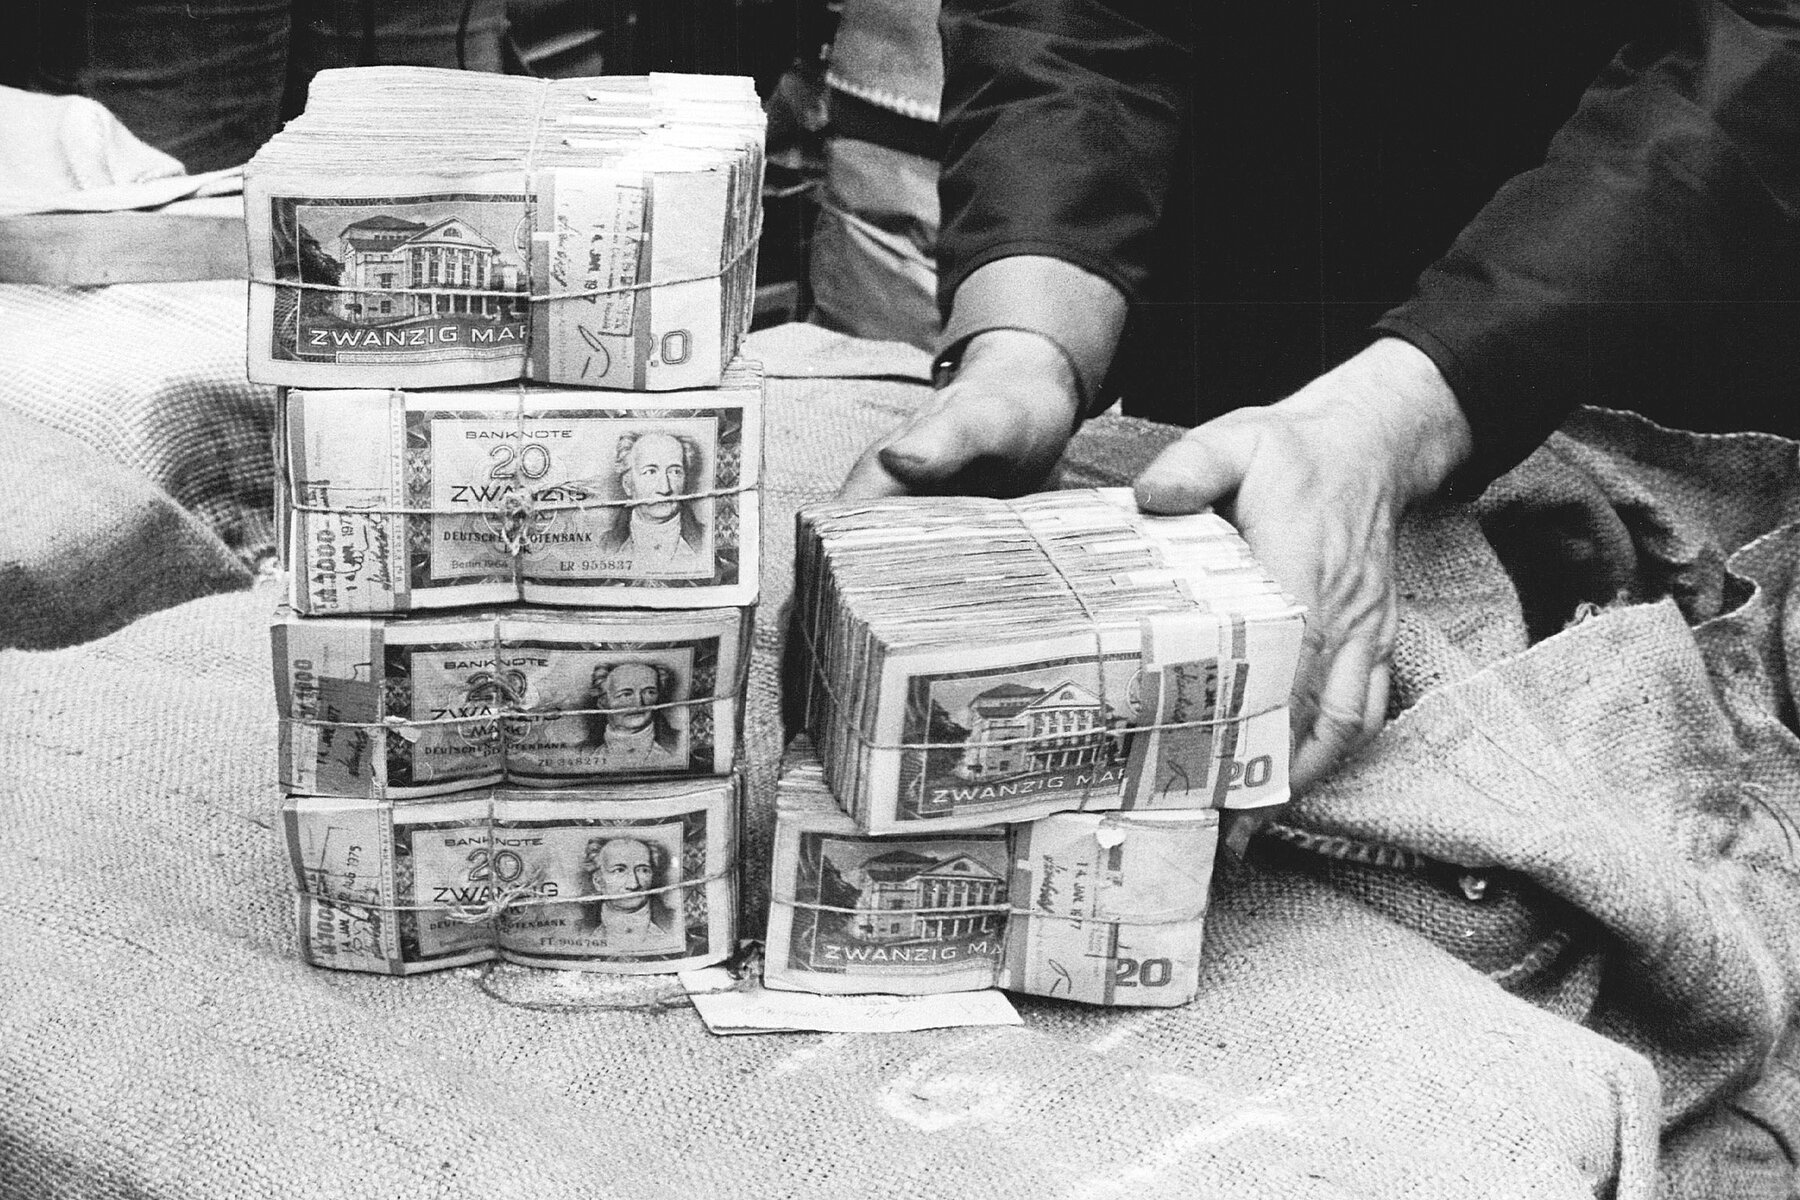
996, 429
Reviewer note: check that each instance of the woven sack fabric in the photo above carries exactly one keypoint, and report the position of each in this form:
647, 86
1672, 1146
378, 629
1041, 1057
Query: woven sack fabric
160, 1039
90, 544
1621, 784
151, 376
1612, 510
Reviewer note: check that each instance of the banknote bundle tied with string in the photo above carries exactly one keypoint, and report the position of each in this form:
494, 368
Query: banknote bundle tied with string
631, 879
1024, 718
630, 522
393, 500
1101, 907
981, 661
403, 707
519, 491
417, 227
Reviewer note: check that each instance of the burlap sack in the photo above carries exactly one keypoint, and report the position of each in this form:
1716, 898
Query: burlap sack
1618, 795
151, 376
89, 544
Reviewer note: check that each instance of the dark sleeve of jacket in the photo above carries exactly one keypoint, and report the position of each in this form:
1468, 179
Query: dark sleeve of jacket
1672, 193
1061, 129
1668, 203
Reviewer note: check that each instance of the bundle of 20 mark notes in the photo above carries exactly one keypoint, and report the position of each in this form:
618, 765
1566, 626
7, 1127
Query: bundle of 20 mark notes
544, 766
393, 500
1028, 715
403, 887
417, 227
1101, 907
983, 660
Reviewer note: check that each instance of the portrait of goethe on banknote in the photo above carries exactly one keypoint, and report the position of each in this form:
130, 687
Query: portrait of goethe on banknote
622, 870
400, 278
634, 733
659, 531
626, 711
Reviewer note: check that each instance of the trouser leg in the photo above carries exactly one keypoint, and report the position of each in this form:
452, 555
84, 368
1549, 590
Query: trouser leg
871, 264
420, 33
200, 79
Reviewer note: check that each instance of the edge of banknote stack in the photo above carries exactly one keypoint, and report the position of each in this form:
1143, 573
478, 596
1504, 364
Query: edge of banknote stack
418, 227
510, 672
1025, 719
400, 887
390, 500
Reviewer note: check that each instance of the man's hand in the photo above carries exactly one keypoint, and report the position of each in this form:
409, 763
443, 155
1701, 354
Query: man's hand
995, 430
1317, 484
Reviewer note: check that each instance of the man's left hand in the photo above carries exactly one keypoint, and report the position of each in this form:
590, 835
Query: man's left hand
1317, 484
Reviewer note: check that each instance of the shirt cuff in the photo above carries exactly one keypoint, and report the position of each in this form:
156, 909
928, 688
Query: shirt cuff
1081, 313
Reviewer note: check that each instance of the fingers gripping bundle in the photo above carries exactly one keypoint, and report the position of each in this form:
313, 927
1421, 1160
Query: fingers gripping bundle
554, 785
1030, 713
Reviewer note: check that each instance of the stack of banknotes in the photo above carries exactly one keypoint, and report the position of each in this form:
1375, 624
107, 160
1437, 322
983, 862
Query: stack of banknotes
632, 878
417, 227
1104, 908
544, 767
399, 707
393, 500
1024, 719
984, 661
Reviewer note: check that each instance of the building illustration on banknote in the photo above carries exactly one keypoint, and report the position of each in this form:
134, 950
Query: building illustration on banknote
1017, 730
401, 277
904, 896
385, 252
865, 904
998, 736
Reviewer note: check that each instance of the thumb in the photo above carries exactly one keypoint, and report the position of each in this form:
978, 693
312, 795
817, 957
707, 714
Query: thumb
935, 447
1198, 471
